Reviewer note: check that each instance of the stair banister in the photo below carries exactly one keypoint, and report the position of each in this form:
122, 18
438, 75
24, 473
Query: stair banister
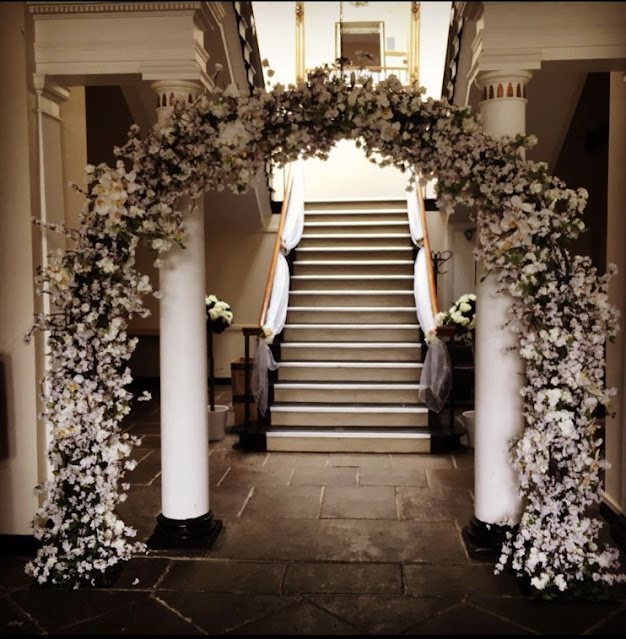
257, 330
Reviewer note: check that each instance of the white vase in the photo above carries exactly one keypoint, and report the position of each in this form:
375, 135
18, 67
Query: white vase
217, 422
469, 420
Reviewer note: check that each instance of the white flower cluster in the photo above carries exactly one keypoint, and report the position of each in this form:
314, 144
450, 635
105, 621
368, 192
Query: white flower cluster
218, 314
560, 311
462, 314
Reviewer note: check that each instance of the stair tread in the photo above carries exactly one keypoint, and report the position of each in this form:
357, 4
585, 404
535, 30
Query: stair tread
344, 293
356, 212
351, 326
339, 408
352, 249
355, 364
352, 277
349, 386
351, 344
336, 293
415, 432
356, 235
357, 223
352, 262
378, 309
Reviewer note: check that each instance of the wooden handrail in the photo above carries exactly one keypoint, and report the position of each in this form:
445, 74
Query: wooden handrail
277, 244
429, 260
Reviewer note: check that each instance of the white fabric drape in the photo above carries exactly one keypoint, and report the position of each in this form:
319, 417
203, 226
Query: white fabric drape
415, 220
294, 217
279, 299
274, 324
436, 378
421, 290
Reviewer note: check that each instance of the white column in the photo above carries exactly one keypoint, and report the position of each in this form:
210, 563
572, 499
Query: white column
499, 372
615, 481
183, 370
52, 190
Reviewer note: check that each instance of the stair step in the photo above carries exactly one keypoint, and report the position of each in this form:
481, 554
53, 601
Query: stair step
349, 416
352, 267
352, 282
355, 253
316, 371
357, 441
351, 351
350, 315
353, 298
356, 215
381, 393
355, 204
352, 333
379, 240
378, 226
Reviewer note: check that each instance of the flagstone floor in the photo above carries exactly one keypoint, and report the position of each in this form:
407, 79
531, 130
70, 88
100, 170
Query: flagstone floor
312, 544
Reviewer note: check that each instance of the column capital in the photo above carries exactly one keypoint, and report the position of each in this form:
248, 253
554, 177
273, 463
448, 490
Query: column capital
503, 85
50, 94
171, 92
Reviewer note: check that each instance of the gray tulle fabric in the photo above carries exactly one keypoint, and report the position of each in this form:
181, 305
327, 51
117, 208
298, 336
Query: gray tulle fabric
436, 379
263, 362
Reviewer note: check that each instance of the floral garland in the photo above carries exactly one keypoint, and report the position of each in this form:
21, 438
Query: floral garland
560, 310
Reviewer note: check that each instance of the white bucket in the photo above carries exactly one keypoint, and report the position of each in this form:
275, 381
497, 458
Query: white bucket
217, 422
469, 421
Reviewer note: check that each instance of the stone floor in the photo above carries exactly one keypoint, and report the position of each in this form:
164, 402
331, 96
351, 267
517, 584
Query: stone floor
312, 544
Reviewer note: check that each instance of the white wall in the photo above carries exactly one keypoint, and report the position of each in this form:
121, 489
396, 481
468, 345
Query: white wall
237, 269
435, 21
348, 174
18, 201
461, 266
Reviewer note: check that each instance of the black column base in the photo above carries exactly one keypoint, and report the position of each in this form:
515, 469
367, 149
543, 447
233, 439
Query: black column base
484, 541
199, 533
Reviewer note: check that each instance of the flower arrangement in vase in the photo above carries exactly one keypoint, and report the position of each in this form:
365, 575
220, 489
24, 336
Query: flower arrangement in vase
461, 317
218, 318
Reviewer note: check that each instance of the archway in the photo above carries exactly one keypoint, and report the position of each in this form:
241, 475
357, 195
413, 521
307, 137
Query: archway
559, 312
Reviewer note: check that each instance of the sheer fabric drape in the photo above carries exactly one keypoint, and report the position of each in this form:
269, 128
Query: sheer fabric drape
279, 299
436, 378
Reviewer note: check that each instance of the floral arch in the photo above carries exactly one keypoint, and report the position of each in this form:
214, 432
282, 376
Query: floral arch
560, 311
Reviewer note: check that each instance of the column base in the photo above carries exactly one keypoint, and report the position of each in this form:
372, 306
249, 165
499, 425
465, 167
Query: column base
199, 533
484, 541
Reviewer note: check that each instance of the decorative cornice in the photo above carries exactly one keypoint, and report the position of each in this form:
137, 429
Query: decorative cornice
47, 88
50, 95
47, 8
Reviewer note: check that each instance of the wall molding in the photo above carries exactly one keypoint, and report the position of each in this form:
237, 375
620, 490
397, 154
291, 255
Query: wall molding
54, 8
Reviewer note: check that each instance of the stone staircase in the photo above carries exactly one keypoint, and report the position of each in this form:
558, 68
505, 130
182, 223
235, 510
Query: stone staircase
350, 354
